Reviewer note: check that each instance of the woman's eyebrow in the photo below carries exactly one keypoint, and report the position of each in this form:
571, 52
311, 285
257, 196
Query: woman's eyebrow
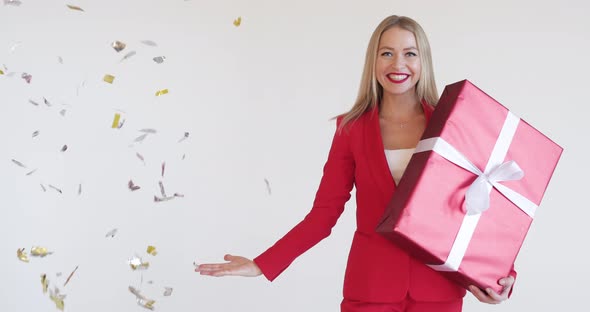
405, 49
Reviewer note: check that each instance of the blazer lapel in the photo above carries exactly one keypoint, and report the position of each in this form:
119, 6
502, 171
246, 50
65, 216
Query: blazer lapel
375, 151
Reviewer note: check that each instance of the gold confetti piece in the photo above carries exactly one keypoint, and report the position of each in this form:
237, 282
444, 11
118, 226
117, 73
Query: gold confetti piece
33, 102
57, 298
159, 59
37, 251
70, 276
64, 148
111, 233
44, 282
55, 188
18, 163
148, 304
22, 255
238, 21
118, 46
108, 78
136, 263
162, 191
75, 8
128, 55
1, 72
27, 77
132, 186
163, 168
116, 121
43, 187
167, 291
31, 172
149, 43
152, 250
267, 186
162, 92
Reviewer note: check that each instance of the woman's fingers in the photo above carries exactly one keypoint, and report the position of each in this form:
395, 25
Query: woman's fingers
480, 295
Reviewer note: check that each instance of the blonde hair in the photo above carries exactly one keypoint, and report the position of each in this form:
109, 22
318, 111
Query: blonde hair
370, 91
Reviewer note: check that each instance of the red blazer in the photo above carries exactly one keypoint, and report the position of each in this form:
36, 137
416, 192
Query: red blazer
377, 270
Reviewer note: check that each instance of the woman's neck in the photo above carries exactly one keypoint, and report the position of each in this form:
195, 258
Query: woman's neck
401, 106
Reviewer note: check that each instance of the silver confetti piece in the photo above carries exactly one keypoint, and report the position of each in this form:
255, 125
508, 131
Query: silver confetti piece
55, 188
167, 291
128, 55
35, 133
111, 233
18, 163
149, 43
159, 59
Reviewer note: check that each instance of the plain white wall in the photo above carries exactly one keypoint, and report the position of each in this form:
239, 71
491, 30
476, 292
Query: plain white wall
256, 100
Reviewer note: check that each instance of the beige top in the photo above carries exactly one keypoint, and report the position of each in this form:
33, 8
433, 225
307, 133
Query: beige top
398, 160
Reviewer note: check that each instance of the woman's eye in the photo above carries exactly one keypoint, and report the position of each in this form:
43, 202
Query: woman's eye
386, 54
411, 54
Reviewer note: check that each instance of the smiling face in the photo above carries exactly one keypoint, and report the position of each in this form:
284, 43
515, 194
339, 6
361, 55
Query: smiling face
397, 67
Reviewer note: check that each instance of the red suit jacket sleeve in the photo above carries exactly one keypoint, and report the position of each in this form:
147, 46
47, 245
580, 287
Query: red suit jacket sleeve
334, 191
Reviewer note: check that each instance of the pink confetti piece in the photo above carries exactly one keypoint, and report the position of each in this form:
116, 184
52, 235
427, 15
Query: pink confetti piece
140, 157
163, 168
162, 191
27, 77
162, 199
70, 276
132, 186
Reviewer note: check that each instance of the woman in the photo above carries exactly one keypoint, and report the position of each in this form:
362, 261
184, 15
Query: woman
370, 150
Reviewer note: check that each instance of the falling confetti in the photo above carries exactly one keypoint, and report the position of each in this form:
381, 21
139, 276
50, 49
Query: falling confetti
178, 195
79, 189
141, 300
55, 188
60, 60
111, 233
162, 191
159, 59
37, 251
70, 276
167, 291
46, 101
183, 156
132, 186
149, 43
35, 133
108, 78
128, 55
238, 21
136, 263
18, 163
12, 2
152, 250
140, 157
118, 46
64, 148
57, 298
43, 187
75, 8
33, 102
267, 186
148, 130
116, 121
162, 199
62, 112
1, 72
141, 138
27, 77
44, 283
162, 92
186, 134
30, 172
22, 255
163, 169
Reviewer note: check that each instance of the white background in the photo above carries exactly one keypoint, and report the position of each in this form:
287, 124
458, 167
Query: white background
257, 101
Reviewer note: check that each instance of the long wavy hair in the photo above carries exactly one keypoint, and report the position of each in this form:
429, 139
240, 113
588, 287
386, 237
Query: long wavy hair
370, 91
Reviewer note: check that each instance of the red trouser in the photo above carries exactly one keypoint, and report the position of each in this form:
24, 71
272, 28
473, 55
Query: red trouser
408, 305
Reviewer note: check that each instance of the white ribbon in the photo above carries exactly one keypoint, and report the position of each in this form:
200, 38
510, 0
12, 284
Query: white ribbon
477, 197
